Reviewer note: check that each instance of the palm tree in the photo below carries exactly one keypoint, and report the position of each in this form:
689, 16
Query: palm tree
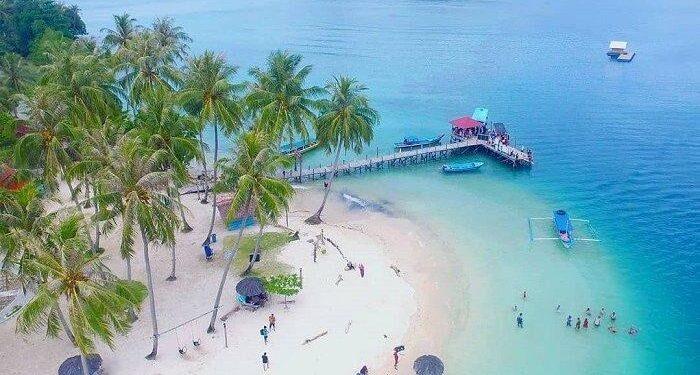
281, 100
146, 67
45, 146
138, 190
22, 217
346, 122
14, 77
172, 38
84, 81
251, 175
207, 87
125, 28
67, 272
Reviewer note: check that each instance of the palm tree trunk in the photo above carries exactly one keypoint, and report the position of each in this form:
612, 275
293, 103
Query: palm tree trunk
173, 262
84, 363
151, 296
213, 191
255, 252
205, 184
211, 328
66, 328
186, 228
316, 218
87, 194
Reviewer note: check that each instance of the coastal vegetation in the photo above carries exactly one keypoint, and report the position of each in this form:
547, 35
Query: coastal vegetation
121, 125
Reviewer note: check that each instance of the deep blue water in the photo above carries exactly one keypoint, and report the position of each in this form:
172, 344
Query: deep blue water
614, 143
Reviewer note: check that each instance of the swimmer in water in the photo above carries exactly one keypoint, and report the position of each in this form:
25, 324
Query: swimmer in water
568, 321
602, 313
613, 316
588, 311
578, 323
524, 294
612, 329
515, 308
596, 322
633, 331
558, 307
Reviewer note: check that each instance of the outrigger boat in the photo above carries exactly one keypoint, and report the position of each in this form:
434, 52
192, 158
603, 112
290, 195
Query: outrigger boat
462, 167
414, 142
564, 228
298, 146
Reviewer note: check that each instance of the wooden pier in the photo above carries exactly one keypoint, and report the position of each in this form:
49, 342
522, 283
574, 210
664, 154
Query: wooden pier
508, 155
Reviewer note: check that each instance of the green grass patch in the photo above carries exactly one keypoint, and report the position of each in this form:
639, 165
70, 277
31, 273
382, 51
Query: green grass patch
270, 246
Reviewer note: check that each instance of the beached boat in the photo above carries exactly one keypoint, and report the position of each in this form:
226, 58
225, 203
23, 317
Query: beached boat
462, 167
562, 222
298, 146
415, 142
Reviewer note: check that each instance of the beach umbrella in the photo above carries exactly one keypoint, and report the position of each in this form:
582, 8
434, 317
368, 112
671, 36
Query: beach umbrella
428, 365
250, 286
72, 366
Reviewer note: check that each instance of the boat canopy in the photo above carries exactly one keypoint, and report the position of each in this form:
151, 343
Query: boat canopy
480, 114
615, 44
466, 122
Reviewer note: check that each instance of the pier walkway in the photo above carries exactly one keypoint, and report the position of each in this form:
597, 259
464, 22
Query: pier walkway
509, 155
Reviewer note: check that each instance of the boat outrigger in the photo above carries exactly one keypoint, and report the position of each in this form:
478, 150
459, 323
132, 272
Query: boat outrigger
298, 146
415, 142
462, 167
563, 224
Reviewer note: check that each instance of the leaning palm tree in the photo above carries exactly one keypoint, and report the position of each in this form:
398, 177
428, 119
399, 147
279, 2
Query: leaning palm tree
207, 87
346, 123
66, 272
280, 98
125, 28
172, 38
251, 175
138, 192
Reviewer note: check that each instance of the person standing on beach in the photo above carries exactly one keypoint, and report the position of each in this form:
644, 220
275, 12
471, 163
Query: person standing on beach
396, 359
364, 370
264, 332
585, 323
265, 362
361, 267
519, 320
272, 321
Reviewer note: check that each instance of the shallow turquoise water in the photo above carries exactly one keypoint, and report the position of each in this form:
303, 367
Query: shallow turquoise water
614, 143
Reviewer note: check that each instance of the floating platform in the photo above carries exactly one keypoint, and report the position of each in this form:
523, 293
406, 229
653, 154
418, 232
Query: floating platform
625, 57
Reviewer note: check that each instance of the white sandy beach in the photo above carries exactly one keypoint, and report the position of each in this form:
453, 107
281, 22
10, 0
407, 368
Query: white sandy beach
365, 317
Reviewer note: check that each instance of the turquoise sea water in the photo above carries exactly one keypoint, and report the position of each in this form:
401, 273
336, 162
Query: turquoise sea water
614, 143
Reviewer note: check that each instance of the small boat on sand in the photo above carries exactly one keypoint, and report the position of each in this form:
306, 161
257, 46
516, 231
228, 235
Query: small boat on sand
415, 142
562, 222
462, 167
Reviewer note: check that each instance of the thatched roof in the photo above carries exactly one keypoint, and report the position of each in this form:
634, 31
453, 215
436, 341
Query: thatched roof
250, 286
428, 365
72, 365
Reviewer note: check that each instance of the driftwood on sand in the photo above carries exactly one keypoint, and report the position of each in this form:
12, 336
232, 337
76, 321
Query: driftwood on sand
314, 338
233, 310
